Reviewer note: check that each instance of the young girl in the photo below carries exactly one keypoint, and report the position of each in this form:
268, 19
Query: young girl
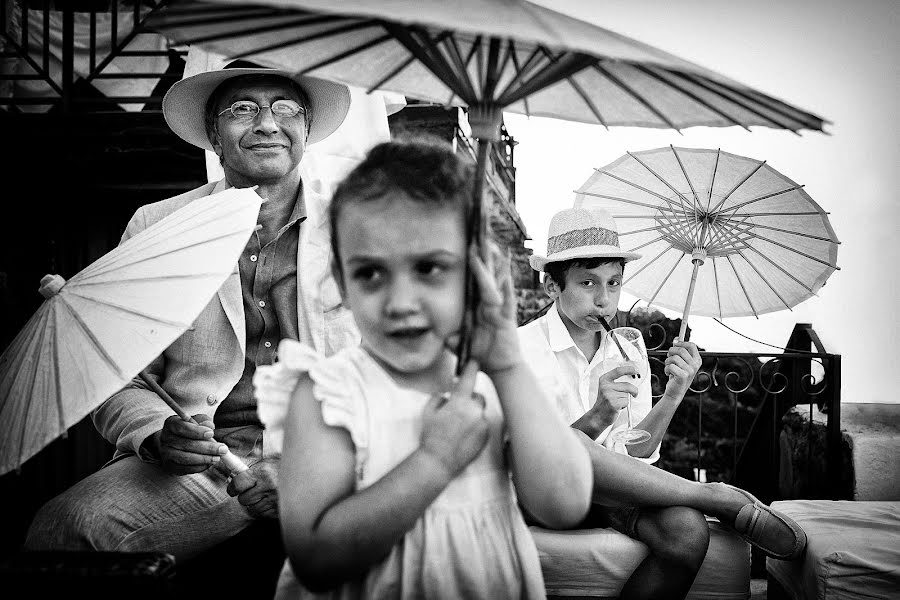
397, 479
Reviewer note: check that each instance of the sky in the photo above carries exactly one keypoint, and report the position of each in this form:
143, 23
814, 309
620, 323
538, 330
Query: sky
839, 60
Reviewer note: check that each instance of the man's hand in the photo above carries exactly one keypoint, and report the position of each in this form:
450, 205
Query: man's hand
682, 364
257, 489
184, 447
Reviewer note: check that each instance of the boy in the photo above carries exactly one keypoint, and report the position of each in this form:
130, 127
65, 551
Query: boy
583, 273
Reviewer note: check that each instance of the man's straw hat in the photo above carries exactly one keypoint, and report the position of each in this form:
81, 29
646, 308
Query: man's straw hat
184, 105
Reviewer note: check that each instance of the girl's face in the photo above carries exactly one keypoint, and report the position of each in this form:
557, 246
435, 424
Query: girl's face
403, 268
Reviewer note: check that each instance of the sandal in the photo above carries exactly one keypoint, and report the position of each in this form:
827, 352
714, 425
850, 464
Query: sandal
768, 529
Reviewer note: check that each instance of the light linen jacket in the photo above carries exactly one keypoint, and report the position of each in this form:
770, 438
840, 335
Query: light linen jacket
202, 366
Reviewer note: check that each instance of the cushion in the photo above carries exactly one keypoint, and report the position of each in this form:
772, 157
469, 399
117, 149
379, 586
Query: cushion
853, 550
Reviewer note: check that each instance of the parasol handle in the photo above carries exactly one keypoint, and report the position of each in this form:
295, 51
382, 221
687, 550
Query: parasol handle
699, 257
476, 234
232, 462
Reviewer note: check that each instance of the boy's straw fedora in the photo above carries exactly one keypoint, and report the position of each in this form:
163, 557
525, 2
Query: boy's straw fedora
184, 105
581, 233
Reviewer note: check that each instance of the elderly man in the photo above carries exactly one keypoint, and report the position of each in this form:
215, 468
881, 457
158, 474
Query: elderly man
166, 488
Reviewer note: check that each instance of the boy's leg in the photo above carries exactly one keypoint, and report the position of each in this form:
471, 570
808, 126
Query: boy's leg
619, 480
677, 538
133, 506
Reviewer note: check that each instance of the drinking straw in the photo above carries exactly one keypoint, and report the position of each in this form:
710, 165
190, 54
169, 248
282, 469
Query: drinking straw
614, 338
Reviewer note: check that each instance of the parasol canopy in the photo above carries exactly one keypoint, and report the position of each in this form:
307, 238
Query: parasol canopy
488, 55
95, 332
721, 235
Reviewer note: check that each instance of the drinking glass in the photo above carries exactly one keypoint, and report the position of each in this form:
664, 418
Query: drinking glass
624, 346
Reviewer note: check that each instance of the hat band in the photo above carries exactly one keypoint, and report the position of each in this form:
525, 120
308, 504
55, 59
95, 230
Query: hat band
593, 236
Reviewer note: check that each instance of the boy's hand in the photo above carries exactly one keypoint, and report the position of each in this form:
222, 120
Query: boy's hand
613, 396
454, 429
682, 364
495, 343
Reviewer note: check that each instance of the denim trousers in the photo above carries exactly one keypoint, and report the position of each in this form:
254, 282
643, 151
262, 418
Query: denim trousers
133, 506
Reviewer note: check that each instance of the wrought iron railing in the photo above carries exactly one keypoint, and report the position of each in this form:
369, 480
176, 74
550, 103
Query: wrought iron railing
732, 418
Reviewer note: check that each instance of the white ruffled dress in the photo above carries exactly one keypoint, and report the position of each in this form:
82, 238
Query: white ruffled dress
471, 542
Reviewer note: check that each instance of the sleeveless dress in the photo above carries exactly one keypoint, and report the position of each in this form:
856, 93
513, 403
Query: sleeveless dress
471, 542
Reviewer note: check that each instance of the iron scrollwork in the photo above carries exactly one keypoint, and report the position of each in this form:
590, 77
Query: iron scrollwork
740, 374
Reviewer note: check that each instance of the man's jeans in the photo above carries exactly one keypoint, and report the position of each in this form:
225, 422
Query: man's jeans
133, 506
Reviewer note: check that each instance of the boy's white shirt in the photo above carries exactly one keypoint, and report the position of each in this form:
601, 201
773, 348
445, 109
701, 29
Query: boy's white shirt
570, 381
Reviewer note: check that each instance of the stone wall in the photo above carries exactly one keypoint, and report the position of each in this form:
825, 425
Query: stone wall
508, 231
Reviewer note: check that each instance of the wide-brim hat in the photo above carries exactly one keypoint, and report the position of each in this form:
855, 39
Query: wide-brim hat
581, 233
184, 105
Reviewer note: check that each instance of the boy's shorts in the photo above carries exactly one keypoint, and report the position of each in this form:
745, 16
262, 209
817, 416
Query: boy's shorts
621, 518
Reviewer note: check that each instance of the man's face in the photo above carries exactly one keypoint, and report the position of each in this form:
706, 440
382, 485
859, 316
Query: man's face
259, 149
589, 295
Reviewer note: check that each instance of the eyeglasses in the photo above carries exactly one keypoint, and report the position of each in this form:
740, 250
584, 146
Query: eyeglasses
248, 109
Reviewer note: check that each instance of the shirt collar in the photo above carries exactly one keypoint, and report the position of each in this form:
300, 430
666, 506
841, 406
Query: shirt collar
299, 212
557, 334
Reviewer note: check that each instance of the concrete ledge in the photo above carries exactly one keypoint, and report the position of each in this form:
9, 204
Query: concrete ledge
870, 443
874, 433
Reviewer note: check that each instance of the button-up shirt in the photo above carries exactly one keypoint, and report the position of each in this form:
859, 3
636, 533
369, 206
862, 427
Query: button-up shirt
269, 289
571, 381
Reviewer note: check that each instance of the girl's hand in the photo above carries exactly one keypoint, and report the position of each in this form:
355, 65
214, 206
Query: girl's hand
454, 429
495, 343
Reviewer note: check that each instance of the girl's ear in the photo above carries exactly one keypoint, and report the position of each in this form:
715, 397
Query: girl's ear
551, 287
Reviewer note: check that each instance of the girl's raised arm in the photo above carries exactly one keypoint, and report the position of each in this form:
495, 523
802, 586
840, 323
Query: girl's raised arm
334, 534
550, 465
